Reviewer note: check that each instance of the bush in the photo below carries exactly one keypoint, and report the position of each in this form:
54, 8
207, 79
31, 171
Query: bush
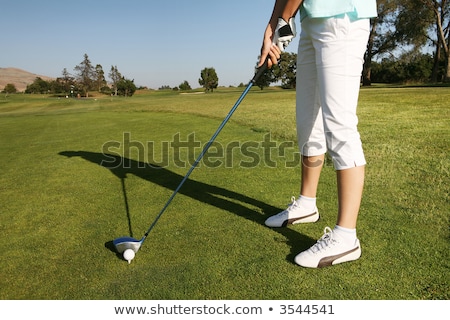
126, 87
10, 88
415, 69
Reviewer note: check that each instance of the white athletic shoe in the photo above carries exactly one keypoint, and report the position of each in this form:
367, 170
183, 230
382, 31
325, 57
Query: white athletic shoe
292, 215
328, 250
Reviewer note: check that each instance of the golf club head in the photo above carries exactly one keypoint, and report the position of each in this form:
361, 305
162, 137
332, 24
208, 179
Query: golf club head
123, 243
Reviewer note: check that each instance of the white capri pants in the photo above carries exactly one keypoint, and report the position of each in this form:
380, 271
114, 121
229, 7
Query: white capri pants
329, 65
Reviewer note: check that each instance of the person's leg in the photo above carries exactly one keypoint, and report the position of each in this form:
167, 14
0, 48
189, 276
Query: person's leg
340, 46
303, 209
350, 183
310, 130
311, 139
339, 75
311, 169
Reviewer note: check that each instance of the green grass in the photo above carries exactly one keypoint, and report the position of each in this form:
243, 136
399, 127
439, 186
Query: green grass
60, 207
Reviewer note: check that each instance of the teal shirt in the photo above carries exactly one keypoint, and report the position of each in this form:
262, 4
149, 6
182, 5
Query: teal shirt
356, 9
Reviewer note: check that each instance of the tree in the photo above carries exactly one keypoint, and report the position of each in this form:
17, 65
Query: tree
185, 86
441, 12
56, 86
285, 71
410, 67
67, 81
126, 87
382, 36
288, 70
10, 88
421, 22
86, 74
38, 86
209, 79
99, 79
115, 77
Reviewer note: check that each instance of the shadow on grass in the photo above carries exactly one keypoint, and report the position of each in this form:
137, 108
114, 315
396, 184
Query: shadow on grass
215, 196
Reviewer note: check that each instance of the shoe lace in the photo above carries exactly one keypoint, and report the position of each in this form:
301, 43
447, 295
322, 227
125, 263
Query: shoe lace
324, 241
292, 205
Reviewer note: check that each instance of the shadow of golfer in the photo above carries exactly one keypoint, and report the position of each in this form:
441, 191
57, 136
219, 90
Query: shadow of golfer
213, 195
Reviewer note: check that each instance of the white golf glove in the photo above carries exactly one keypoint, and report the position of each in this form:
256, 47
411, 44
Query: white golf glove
284, 33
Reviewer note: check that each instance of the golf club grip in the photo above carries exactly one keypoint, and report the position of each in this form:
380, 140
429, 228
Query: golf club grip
260, 70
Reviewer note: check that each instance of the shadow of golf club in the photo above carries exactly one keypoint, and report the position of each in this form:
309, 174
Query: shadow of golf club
206, 193
127, 207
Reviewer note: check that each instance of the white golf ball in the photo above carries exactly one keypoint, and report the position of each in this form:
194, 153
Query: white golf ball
128, 255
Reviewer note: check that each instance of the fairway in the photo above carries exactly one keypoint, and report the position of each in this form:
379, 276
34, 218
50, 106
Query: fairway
78, 173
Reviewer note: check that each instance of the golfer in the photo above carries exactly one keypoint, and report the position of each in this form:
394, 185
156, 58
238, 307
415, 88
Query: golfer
333, 40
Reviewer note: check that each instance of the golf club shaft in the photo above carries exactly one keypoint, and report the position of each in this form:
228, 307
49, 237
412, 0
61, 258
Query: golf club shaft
259, 72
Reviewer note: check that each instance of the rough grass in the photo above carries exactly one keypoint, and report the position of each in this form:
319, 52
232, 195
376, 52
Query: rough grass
61, 207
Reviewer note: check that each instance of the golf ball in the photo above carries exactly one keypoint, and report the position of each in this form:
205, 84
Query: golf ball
128, 255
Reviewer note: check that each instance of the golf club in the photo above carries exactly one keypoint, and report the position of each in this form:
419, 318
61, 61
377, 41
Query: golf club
123, 243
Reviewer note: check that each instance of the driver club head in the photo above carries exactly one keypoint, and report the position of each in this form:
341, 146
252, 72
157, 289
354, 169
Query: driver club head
123, 243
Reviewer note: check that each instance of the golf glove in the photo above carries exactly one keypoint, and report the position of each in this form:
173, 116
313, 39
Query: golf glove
284, 33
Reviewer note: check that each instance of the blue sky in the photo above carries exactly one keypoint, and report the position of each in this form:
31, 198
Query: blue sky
153, 42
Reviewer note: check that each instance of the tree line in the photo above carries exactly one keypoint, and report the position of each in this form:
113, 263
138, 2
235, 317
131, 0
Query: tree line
208, 80
86, 78
417, 69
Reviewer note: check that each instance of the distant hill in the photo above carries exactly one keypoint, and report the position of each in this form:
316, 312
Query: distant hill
20, 78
